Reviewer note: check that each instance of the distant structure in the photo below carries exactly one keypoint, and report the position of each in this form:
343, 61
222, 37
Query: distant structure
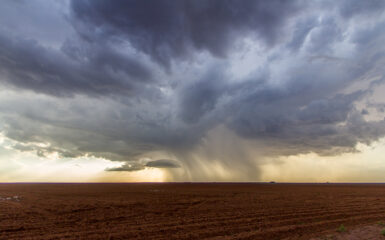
272, 182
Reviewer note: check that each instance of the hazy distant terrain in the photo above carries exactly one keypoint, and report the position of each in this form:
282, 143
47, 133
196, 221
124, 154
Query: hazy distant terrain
187, 211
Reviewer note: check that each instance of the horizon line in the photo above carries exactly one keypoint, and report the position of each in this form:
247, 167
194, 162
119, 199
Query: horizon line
192, 182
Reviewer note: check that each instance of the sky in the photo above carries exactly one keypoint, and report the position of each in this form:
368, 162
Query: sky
192, 90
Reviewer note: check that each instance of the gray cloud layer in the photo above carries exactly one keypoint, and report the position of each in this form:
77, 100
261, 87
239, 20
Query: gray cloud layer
175, 29
133, 78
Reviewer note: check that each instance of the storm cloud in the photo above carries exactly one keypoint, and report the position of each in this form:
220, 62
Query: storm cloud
166, 30
205, 83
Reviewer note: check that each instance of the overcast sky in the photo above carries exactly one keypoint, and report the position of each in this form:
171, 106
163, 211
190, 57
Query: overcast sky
192, 90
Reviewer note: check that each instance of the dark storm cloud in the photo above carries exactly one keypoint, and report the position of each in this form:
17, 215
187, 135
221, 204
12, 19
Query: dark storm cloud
175, 29
163, 163
200, 97
103, 92
27, 65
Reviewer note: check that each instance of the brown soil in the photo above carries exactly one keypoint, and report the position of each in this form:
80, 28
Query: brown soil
189, 211
370, 232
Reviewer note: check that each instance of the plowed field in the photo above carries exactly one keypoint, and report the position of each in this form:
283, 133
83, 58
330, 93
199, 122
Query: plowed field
185, 210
